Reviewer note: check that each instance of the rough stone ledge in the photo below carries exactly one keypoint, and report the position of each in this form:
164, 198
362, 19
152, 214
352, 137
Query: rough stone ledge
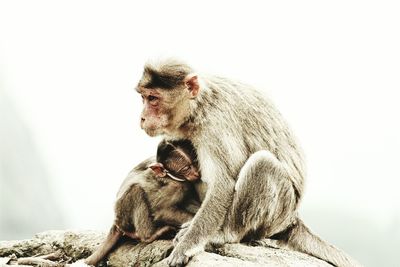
57, 248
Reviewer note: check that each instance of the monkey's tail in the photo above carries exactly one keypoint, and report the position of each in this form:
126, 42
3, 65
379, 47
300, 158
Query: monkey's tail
301, 239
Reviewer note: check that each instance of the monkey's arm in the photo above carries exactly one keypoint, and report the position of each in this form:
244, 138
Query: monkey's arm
142, 217
210, 215
133, 213
173, 216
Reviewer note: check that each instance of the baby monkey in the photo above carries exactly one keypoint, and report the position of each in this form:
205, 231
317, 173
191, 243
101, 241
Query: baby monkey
178, 160
156, 197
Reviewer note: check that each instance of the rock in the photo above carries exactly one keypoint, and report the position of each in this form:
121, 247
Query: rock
71, 246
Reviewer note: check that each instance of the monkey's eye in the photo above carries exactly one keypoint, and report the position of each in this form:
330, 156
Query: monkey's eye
152, 98
185, 169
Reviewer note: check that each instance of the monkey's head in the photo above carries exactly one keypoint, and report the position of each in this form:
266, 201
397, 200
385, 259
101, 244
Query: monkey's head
166, 89
177, 160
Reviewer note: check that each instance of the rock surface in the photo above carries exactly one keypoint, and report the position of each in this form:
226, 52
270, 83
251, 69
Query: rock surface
57, 248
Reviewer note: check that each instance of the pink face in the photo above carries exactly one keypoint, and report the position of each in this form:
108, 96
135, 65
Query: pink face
165, 109
192, 174
154, 117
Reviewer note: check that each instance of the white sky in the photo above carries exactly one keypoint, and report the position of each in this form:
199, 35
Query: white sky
331, 67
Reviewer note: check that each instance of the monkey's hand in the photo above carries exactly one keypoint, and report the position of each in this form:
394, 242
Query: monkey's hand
184, 249
178, 257
182, 232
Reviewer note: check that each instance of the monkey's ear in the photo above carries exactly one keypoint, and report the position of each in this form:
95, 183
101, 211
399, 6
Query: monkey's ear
192, 82
158, 169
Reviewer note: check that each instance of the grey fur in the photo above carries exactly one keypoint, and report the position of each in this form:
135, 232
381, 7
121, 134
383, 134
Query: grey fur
252, 164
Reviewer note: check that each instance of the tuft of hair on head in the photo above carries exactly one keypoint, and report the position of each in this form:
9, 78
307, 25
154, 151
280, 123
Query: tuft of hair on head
164, 150
164, 74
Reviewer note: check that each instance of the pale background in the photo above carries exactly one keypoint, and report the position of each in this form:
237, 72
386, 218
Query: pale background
69, 117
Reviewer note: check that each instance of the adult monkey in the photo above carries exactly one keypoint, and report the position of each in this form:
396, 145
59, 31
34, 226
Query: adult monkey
253, 167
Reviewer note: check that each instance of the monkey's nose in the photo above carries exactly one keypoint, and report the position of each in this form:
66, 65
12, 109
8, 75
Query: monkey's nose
142, 120
193, 176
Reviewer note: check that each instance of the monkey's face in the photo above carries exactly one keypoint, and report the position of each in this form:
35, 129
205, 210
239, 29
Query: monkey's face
182, 169
163, 110
175, 163
175, 172
166, 109
191, 174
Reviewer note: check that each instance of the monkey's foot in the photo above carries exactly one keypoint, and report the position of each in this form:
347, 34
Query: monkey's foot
50, 260
159, 233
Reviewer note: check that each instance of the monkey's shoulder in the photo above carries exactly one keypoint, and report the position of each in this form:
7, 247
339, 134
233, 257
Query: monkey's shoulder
140, 176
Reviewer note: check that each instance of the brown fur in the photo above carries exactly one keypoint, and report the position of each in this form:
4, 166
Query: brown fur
148, 206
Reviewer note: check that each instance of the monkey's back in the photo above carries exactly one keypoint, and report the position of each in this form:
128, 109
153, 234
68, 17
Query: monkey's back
251, 122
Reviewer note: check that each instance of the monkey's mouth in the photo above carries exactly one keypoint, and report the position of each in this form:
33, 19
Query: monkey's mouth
153, 131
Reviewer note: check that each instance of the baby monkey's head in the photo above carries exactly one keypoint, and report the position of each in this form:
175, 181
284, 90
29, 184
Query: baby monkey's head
176, 159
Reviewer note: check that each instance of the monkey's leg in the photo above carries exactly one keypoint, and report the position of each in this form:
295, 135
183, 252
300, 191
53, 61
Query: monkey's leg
264, 205
158, 233
111, 239
132, 235
264, 202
